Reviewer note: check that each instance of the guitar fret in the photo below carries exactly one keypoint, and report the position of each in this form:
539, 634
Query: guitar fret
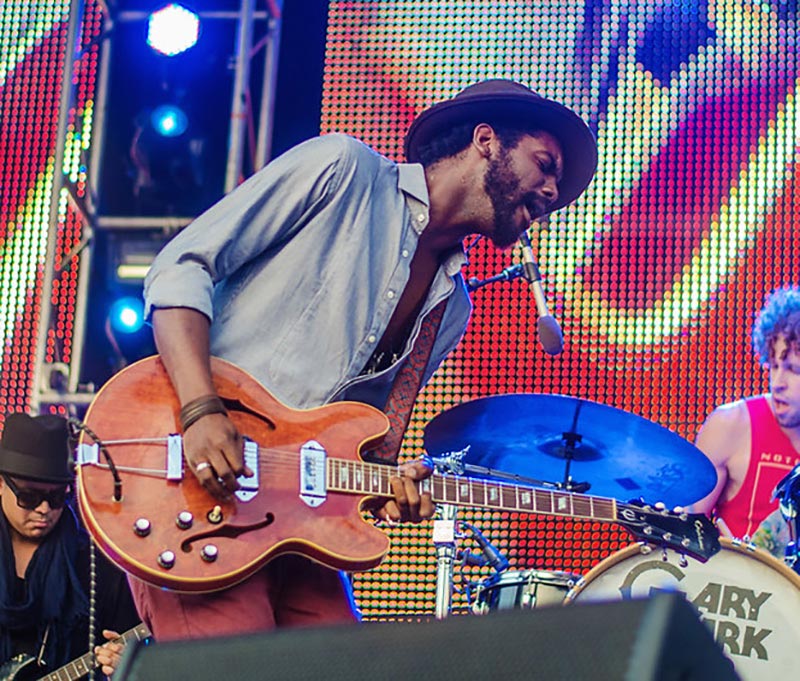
582, 507
544, 501
464, 491
509, 497
375, 480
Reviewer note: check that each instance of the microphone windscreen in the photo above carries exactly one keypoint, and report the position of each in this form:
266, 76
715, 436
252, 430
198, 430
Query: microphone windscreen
550, 335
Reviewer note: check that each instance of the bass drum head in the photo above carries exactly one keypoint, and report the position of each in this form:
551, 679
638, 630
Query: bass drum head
750, 600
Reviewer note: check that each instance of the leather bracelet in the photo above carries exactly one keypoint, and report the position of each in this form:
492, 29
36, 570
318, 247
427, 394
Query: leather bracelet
198, 408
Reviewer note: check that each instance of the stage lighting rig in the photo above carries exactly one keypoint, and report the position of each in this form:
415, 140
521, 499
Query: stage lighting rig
173, 29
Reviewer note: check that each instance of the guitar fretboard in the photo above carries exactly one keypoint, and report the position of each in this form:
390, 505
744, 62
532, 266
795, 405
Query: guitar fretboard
359, 477
81, 666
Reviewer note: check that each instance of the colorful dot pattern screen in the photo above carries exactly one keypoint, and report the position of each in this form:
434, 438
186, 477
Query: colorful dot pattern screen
33, 37
654, 274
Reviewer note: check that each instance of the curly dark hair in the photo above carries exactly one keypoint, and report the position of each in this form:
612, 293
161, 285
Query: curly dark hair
459, 137
779, 317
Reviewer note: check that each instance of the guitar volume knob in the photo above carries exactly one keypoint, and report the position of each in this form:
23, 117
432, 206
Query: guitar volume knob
142, 527
209, 553
166, 559
184, 520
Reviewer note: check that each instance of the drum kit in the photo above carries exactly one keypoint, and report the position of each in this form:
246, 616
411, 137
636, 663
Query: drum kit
749, 598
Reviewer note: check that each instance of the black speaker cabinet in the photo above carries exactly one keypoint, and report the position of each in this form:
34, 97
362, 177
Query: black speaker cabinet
660, 638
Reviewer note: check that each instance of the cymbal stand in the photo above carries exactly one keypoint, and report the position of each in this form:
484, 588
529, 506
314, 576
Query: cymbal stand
572, 440
444, 536
444, 539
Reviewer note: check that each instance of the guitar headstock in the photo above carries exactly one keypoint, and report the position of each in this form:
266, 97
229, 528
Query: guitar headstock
690, 533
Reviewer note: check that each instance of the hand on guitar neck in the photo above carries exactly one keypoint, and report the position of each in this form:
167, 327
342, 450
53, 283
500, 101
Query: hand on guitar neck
408, 504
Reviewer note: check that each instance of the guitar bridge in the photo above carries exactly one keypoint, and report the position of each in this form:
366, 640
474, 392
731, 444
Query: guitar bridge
248, 487
313, 487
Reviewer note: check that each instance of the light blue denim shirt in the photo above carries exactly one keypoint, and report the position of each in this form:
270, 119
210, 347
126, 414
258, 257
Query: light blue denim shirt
300, 269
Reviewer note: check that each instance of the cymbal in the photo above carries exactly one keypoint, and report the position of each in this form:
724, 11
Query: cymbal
621, 455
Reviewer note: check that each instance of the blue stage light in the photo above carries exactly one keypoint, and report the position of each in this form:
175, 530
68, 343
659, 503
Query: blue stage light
172, 29
127, 315
169, 120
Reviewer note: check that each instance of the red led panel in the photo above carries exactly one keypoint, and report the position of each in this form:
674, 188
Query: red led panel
655, 273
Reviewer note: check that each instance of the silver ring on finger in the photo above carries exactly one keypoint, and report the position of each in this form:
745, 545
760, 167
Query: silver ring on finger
202, 466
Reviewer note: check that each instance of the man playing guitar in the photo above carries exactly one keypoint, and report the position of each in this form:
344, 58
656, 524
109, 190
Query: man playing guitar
317, 276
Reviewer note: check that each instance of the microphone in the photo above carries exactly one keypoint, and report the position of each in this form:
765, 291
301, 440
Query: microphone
550, 336
493, 557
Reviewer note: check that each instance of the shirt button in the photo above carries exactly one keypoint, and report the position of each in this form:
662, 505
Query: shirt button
371, 339
390, 294
405, 252
421, 217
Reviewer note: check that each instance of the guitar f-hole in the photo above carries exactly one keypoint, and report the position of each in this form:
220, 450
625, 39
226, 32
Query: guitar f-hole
227, 531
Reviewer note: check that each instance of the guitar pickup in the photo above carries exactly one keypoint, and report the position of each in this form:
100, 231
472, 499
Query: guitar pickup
313, 487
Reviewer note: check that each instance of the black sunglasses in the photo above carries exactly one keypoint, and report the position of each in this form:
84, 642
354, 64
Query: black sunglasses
31, 499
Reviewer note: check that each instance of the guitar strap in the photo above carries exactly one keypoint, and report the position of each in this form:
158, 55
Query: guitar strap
406, 387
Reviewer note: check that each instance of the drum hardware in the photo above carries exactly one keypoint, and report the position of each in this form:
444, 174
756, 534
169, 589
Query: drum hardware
788, 492
444, 539
446, 531
520, 589
491, 555
456, 462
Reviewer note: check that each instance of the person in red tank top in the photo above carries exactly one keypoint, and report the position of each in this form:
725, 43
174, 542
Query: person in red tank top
754, 442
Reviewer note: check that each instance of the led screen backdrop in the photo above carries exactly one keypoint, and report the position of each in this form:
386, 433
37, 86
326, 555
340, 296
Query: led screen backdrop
655, 273
32, 47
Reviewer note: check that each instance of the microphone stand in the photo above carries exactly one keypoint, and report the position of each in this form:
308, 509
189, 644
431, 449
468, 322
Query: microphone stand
444, 539
508, 274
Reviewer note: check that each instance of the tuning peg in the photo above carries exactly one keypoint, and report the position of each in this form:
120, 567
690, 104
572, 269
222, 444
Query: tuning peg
684, 561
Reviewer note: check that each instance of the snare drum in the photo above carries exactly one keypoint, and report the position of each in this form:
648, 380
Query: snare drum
750, 600
522, 589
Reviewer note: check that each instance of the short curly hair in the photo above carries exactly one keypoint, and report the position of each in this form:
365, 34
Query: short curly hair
458, 138
780, 316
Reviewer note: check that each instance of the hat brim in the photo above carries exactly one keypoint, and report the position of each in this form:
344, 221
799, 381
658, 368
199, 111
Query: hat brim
576, 139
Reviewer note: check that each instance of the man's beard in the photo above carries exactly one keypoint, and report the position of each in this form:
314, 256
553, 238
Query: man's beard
502, 188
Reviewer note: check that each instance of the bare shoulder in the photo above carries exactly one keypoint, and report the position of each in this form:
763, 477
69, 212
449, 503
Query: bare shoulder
725, 431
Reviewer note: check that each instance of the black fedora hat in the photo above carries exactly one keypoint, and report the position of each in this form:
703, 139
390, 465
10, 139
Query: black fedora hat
501, 100
36, 448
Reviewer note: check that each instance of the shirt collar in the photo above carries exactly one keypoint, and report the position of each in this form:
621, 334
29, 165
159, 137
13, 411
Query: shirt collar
411, 180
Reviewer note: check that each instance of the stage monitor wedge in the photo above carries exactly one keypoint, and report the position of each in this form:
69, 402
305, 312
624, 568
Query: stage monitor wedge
658, 639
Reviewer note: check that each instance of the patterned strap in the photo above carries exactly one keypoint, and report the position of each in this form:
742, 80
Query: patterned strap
406, 387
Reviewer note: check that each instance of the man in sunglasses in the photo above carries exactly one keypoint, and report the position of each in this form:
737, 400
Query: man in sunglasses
44, 559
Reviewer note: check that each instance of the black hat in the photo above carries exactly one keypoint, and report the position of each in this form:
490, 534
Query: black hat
36, 448
507, 101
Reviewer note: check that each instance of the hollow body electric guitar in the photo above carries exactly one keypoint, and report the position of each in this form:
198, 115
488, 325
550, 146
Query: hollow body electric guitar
151, 517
